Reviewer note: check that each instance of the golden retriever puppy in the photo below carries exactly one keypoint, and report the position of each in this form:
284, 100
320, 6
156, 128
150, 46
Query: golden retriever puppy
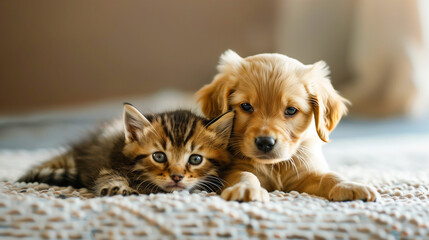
284, 110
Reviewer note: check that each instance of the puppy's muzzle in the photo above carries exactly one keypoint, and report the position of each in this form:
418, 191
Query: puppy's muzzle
265, 144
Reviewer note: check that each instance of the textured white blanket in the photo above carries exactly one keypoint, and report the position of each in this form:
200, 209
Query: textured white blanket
397, 167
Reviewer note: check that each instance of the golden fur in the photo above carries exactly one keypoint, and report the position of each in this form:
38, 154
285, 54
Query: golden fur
271, 83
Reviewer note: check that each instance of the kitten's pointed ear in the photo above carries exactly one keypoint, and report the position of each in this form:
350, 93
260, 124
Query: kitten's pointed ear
134, 123
222, 125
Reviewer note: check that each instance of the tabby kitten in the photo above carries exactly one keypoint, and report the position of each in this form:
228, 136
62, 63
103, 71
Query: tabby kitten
162, 152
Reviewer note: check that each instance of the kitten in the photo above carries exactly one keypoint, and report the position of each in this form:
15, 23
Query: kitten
162, 152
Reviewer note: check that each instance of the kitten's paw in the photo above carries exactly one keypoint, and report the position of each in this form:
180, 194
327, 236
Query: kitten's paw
348, 191
112, 189
245, 193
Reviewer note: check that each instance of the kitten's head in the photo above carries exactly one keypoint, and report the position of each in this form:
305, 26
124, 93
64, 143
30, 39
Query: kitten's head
177, 150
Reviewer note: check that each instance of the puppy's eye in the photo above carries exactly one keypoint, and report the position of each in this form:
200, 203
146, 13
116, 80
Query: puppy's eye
195, 159
159, 157
290, 111
246, 107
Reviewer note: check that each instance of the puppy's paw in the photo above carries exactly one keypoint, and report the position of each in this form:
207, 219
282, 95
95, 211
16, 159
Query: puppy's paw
245, 193
112, 189
348, 191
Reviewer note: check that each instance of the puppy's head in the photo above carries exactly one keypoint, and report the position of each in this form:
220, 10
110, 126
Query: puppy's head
276, 99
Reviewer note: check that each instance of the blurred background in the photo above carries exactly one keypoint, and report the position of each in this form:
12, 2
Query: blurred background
67, 65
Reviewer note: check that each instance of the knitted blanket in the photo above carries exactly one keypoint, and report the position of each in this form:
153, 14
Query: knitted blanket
397, 167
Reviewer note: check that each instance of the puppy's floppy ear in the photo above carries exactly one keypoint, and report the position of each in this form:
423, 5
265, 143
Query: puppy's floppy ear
214, 96
328, 106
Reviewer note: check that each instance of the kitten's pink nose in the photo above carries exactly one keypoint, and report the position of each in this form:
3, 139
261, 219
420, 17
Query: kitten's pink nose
176, 177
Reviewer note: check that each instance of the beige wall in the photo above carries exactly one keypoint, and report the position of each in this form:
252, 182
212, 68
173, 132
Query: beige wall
55, 53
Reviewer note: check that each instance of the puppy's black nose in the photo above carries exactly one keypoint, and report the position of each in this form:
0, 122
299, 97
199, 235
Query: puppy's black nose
265, 144
176, 177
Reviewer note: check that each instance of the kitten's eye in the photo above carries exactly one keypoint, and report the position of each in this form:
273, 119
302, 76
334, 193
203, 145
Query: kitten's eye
195, 159
246, 107
159, 157
290, 111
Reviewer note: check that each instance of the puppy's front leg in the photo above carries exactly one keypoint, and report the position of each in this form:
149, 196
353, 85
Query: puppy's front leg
343, 190
244, 186
335, 188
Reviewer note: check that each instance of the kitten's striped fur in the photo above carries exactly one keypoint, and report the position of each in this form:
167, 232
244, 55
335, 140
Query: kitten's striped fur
138, 154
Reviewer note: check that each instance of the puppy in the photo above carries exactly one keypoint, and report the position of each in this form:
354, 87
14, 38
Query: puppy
284, 110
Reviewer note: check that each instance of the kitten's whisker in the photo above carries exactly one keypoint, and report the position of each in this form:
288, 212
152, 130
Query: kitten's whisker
214, 184
221, 181
154, 186
147, 186
210, 184
143, 182
207, 186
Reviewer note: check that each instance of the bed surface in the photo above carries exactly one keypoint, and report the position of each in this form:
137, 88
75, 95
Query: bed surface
392, 155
